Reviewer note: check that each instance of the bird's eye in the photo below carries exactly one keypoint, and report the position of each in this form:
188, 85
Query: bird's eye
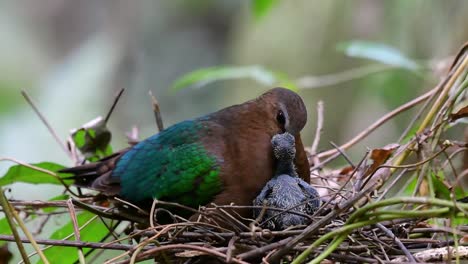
281, 118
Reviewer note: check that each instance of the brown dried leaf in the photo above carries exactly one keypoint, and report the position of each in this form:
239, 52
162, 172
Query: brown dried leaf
464, 239
459, 114
346, 171
379, 156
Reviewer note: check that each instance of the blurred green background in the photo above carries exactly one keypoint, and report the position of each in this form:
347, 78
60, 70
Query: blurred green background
72, 57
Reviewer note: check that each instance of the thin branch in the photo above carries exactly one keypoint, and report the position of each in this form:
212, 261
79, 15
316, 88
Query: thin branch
9, 216
156, 111
409, 166
152, 213
380, 122
131, 205
116, 99
262, 250
342, 153
390, 186
42, 204
357, 259
230, 249
151, 252
70, 235
322, 164
138, 248
76, 229
397, 241
71, 243
318, 132
46, 123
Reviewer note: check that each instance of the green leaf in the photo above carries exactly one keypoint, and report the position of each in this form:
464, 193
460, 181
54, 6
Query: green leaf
261, 7
20, 173
79, 137
201, 77
377, 52
93, 232
93, 139
459, 221
4, 229
411, 185
441, 189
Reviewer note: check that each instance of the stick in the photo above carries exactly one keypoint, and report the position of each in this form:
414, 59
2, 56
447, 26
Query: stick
380, 122
116, 99
76, 230
70, 243
46, 123
318, 132
9, 217
156, 111
397, 241
149, 253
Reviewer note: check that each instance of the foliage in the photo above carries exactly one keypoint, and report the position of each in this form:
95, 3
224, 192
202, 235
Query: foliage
39, 173
95, 230
93, 140
378, 52
201, 77
262, 7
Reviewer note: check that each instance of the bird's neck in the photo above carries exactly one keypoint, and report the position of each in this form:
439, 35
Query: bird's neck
286, 168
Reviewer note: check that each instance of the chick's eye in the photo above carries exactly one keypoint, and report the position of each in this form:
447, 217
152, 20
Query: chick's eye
280, 117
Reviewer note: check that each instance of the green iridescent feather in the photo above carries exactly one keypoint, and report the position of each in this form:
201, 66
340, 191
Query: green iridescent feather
171, 166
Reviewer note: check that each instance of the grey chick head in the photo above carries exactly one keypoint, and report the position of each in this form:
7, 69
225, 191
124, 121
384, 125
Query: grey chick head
284, 146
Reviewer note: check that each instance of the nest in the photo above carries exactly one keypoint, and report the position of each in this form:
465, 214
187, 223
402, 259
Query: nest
364, 216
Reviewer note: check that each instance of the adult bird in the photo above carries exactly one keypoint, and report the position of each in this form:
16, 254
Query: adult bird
295, 198
224, 157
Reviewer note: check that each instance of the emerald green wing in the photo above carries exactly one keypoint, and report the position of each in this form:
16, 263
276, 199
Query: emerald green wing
171, 166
